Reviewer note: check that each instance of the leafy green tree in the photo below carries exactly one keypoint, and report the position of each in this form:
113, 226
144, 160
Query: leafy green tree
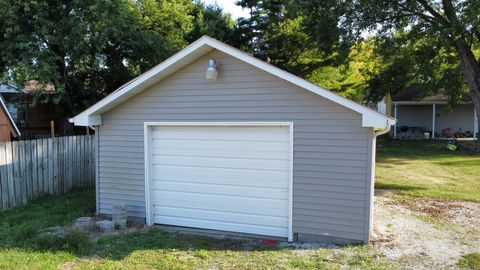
442, 34
409, 62
212, 21
293, 35
86, 49
423, 42
352, 78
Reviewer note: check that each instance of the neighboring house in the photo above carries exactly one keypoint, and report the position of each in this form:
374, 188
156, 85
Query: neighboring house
13, 97
8, 128
214, 138
33, 122
418, 114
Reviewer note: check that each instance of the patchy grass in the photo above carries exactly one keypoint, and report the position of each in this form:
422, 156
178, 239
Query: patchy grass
470, 261
22, 248
427, 169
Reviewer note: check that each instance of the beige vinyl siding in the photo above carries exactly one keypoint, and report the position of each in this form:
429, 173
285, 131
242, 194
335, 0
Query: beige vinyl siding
330, 146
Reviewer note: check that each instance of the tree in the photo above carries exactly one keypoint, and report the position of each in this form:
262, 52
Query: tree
352, 78
304, 35
447, 26
212, 21
298, 36
86, 49
416, 62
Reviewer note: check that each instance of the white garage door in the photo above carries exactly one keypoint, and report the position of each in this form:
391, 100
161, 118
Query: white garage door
231, 178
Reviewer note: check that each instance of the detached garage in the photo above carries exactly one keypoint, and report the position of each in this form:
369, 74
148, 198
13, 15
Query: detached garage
214, 138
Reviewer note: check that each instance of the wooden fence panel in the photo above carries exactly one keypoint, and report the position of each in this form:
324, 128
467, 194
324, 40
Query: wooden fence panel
31, 169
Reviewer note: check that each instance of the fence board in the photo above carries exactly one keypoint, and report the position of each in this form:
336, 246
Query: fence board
11, 184
3, 178
23, 172
26, 173
30, 169
16, 171
61, 180
33, 149
46, 179
39, 153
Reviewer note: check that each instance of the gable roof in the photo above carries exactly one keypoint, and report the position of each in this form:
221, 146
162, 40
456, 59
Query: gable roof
92, 115
4, 107
6, 88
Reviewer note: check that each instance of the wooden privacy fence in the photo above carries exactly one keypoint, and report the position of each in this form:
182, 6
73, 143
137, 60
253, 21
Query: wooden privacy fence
34, 168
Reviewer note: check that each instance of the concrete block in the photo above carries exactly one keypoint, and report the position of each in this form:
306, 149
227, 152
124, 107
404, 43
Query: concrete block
119, 215
105, 225
83, 223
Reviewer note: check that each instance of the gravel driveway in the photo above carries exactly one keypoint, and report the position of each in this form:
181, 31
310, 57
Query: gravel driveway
425, 233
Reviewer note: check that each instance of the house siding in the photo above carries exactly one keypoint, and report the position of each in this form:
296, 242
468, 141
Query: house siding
331, 148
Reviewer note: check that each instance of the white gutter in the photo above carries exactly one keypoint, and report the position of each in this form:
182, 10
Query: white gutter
383, 131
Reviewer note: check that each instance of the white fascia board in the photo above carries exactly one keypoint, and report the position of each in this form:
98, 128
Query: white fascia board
370, 118
10, 117
88, 120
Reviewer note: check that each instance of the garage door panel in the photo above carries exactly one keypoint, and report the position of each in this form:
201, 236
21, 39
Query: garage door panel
223, 153
185, 131
223, 226
157, 145
223, 136
272, 208
241, 202
221, 216
221, 189
223, 178
217, 129
260, 178
207, 162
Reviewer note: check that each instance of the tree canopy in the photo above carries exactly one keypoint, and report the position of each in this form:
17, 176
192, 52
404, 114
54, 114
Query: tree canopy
87, 49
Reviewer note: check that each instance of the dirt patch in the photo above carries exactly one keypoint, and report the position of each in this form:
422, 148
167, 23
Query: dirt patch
425, 233
460, 213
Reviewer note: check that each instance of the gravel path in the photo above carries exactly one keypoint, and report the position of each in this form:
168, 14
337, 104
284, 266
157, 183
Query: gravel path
425, 233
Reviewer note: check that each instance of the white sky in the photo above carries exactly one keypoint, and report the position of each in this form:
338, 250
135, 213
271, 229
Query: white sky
230, 7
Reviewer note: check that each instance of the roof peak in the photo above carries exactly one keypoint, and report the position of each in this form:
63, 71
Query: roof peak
92, 115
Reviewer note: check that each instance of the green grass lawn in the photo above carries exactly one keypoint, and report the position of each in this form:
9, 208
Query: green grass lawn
427, 169
22, 248
470, 261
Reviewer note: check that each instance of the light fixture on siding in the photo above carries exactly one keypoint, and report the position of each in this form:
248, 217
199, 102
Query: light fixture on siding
212, 71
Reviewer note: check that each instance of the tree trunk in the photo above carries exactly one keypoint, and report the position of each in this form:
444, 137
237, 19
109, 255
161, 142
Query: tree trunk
471, 71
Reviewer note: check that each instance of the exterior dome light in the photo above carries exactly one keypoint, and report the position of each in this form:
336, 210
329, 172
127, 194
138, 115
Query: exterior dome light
212, 71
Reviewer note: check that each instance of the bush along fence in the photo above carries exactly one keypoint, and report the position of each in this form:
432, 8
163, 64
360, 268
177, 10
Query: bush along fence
34, 168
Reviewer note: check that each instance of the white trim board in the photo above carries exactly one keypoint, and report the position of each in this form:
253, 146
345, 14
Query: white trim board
92, 115
148, 160
10, 117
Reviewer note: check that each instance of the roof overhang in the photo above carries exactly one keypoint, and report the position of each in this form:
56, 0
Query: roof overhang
93, 115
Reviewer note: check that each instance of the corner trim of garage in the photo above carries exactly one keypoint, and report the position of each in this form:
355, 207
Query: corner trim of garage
148, 160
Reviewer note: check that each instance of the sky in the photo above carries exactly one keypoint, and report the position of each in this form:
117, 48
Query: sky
229, 7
